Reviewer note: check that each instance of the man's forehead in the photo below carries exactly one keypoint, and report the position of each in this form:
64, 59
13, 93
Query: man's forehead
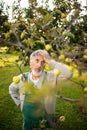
39, 57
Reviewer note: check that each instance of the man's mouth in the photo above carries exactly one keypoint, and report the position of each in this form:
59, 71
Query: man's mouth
38, 69
37, 73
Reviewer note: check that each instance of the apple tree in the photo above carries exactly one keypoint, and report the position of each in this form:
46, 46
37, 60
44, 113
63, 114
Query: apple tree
4, 24
61, 31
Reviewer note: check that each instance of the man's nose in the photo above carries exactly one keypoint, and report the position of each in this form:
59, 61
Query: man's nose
39, 64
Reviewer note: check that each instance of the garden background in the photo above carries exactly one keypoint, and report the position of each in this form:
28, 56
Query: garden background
62, 31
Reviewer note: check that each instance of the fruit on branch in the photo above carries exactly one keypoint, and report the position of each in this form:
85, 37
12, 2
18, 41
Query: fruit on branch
56, 72
70, 68
61, 57
23, 34
83, 77
68, 60
75, 74
64, 20
85, 89
63, 15
48, 47
26, 57
64, 33
74, 65
62, 118
47, 67
43, 123
85, 57
7, 35
16, 79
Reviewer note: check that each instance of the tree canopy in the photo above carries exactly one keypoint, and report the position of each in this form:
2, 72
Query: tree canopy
63, 28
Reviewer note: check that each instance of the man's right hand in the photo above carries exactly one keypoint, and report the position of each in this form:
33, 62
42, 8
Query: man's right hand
46, 56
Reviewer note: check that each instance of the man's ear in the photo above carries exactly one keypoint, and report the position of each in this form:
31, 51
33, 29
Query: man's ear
30, 64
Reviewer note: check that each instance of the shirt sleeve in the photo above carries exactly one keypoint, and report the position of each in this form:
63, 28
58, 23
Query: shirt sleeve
14, 91
64, 69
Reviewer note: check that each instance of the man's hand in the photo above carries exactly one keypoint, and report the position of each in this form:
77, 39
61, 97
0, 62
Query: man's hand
46, 56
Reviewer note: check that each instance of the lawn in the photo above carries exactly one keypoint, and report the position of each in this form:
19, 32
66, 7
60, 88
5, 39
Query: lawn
8, 59
10, 115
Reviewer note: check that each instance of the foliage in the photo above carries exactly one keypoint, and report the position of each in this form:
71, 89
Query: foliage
4, 24
63, 29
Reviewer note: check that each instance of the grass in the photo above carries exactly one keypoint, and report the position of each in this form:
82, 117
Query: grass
7, 59
10, 115
75, 119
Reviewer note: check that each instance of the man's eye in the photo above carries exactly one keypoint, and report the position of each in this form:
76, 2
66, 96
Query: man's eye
37, 60
43, 62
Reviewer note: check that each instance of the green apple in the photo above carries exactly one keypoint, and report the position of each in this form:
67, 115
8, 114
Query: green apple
64, 33
23, 34
47, 67
56, 72
7, 35
74, 65
16, 79
61, 57
26, 58
63, 15
64, 20
85, 89
48, 47
70, 68
43, 123
83, 77
85, 57
62, 118
75, 74
68, 60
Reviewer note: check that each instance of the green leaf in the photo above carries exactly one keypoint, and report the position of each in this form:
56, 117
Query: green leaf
47, 17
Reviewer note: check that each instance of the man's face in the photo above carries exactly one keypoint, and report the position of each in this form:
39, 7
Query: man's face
37, 64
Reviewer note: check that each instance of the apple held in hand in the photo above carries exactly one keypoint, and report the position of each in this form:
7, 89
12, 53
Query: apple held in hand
62, 118
56, 72
16, 79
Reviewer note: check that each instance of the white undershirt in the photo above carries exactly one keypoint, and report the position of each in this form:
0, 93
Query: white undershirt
37, 82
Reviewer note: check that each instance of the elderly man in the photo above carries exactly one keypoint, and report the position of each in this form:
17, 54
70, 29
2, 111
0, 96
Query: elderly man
35, 111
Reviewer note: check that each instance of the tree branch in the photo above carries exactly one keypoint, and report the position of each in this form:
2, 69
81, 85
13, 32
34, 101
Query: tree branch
67, 99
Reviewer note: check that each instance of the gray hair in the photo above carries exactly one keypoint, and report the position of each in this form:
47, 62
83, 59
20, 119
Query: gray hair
38, 53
